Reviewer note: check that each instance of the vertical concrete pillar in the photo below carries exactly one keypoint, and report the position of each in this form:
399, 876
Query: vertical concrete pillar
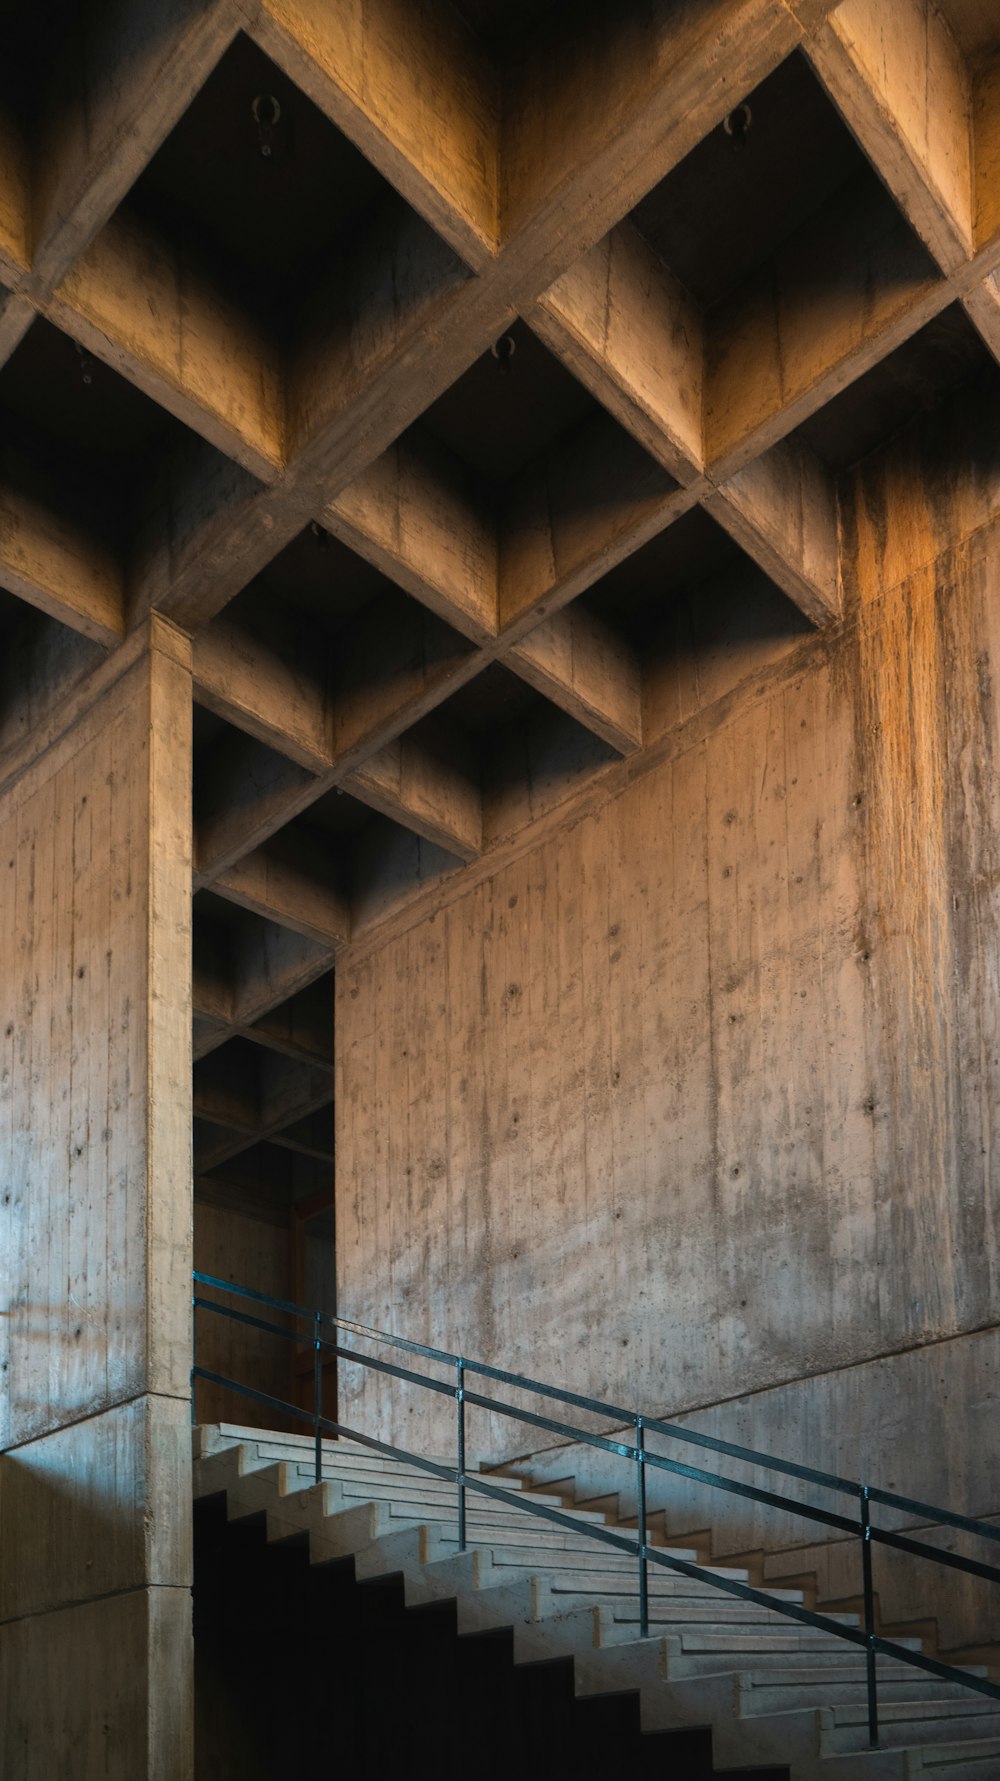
95, 1234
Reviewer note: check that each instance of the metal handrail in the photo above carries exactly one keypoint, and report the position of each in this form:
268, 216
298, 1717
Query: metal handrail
859, 1525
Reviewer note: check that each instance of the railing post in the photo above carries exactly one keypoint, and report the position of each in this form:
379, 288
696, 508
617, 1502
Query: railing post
460, 1401
194, 1355
866, 1570
640, 1437
318, 1398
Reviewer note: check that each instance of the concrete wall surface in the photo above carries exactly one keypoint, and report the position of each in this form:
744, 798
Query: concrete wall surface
95, 1490
922, 1423
253, 1251
696, 1097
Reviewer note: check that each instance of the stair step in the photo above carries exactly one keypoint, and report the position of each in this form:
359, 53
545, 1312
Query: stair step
714, 1655
777, 1691
802, 1638
692, 1596
439, 1498
914, 1722
538, 1536
341, 1446
717, 1603
503, 1529
339, 1455
705, 1616
604, 1561
773, 1692
442, 1498
441, 1507
975, 1759
766, 1641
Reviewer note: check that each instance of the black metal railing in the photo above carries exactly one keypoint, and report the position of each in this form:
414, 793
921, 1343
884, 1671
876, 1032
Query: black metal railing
858, 1524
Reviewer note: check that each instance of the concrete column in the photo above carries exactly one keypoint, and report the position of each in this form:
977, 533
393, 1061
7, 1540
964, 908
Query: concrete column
95, 1234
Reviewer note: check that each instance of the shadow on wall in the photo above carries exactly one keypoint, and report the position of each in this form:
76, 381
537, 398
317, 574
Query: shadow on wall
99, 1508
906, 1424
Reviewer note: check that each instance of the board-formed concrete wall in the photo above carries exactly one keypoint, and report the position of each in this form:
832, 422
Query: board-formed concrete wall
253, 1250
95, 1231
697, 1095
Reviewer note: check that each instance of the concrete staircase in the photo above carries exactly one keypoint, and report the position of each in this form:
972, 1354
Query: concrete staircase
773, 1691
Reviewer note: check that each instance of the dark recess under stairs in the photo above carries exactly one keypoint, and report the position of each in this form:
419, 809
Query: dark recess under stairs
300, 1666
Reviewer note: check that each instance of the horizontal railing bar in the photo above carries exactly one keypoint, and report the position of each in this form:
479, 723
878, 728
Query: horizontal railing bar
559, 1393
538, 1421
749, 1454
254, 1323
854, 1635
920, 1661
771, 1499
387, 1366
746, 1592
604, 1535
674, 1431
522, 1382
630, 1544
743, 1591
413, 1459
259, 1298
248, 1391
561, 1518
447, 1473
982, 1529
379, 1366
340, 1323
336, 1428
920, 1549
790, 1505
621, 1450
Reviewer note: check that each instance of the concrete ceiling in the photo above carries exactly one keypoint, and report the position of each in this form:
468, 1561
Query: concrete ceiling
424, 362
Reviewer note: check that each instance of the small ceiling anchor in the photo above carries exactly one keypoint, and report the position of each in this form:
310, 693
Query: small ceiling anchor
86, 363
503, 351
266, 113
737, 125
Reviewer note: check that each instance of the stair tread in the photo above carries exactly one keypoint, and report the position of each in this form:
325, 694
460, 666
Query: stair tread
442, 1500
855, 1677
718, 1601
773, 1639
973, 1706
434, 1488
603, 1559
760, 1668
971, 1749
662, 1615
